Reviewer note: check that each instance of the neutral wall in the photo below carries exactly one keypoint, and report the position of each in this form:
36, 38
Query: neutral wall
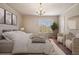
8, 8
74, 22
73, 11
30, 23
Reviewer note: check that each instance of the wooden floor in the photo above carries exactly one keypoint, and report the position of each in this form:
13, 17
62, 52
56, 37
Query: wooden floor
66, 50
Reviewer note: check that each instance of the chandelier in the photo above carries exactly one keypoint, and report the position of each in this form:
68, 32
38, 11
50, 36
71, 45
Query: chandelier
40, 11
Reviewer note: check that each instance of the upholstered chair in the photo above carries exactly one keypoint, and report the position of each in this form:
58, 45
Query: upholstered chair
61, 37
75, 46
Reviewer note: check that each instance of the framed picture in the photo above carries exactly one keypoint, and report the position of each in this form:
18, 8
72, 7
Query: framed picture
8, 18
1, 16
14, 19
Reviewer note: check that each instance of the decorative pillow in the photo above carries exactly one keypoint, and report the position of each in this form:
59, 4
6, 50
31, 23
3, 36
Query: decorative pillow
70, 36
60, 39
68, 44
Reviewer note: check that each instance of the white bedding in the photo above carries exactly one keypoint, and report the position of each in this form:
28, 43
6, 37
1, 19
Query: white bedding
21, 41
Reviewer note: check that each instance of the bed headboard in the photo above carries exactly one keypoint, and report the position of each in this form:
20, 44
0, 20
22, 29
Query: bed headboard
7, 27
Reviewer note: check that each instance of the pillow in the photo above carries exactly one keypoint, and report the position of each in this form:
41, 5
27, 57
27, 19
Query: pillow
8, 35
68, 44
60, 39
70, 36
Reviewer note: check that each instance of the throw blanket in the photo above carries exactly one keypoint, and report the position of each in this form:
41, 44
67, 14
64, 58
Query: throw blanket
38, 38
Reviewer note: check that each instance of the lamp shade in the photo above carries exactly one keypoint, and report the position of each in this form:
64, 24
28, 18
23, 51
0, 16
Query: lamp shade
22, 28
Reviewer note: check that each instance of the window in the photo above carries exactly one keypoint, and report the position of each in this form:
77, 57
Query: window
72, 24
45, 26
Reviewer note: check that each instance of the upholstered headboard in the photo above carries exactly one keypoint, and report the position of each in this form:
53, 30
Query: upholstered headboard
4, 27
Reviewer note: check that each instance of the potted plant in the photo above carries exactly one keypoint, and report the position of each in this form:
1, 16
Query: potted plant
54, 27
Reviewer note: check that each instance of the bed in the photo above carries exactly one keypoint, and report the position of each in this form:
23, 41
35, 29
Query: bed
22, 43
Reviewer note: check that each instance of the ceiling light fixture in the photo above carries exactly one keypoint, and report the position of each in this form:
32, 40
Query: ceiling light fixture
40, 11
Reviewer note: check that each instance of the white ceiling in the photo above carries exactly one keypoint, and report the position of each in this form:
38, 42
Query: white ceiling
31, 8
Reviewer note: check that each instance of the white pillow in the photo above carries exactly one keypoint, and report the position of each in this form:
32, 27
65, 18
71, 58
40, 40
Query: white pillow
8, 35
68, 44
60, 39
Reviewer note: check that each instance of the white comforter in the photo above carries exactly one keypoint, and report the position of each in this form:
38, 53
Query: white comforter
21, 41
